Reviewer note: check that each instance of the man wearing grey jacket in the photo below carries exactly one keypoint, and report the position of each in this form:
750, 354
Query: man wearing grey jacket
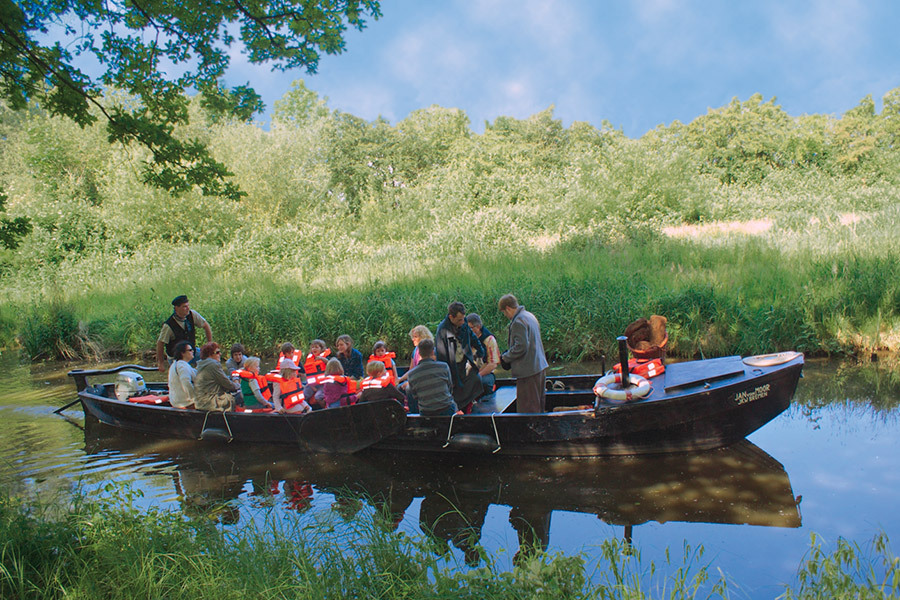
525, 356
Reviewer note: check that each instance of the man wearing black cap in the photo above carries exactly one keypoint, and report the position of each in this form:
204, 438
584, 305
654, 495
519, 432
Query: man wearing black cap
182, 325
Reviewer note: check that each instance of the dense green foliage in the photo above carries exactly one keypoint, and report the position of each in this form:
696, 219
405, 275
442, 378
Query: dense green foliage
107, 548
45, 44
750, 229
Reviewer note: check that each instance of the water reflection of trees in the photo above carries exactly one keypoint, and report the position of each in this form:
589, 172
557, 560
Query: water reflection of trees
828, 383
741, 485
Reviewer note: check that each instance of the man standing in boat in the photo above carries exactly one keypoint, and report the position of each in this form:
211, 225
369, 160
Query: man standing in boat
456, 345
525, 358
182, 325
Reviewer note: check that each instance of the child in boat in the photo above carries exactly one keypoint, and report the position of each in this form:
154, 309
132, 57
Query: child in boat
287, 390
380, 353
254, 387
288, 351
377, 385
416, 334
314, 369
337, 388
316, 359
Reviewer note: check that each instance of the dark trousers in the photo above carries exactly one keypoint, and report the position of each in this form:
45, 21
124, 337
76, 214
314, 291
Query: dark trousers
530, 393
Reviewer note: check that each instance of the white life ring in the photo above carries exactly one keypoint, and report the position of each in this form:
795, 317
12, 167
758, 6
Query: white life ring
639, 388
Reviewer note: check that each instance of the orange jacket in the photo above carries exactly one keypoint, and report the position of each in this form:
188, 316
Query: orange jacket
374, 383
291, 391
315, 365
389, 366
261, 380
296, 356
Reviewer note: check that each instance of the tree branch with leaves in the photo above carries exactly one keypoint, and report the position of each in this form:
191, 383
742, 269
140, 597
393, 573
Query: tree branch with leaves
137, 42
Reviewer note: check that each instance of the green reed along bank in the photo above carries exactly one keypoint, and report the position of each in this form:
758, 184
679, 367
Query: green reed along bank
107, 548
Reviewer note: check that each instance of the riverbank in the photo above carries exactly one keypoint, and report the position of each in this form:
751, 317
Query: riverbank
371, 229
108, 548
723, 293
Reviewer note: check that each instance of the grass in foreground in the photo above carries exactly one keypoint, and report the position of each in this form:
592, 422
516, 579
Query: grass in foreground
109, 549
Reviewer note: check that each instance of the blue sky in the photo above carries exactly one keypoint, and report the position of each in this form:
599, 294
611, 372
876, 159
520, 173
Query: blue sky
635, 64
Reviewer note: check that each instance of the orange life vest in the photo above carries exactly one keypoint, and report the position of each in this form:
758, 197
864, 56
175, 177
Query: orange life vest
315, 365
376, 383
342, 379
246, 377
296, 357
291, 392
389, 367
643, 367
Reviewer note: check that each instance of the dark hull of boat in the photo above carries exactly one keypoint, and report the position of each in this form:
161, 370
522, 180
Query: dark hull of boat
338, 430
698, 405
701, 413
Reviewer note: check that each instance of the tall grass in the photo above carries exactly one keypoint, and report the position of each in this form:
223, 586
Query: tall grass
728, 294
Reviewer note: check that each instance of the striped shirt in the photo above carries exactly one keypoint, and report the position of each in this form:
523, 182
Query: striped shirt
431, 386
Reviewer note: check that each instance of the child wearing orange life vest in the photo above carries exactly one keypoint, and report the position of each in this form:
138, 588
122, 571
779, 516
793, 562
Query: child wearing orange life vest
314, 370
254, 387
380, 353
287, 390
288, 351
337, 388
316, 359
378, 386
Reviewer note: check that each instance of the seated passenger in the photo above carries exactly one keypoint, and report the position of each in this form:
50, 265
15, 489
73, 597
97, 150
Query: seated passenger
316, 359
181, 376
236, 362
287, 390
416, 334
351, 358
337, 388
254, 387
213, 389
288, 351
490, 362
238, 356
379, 352
378, 386
430, 385
314, 371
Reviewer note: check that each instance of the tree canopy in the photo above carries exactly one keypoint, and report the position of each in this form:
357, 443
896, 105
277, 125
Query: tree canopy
155, 51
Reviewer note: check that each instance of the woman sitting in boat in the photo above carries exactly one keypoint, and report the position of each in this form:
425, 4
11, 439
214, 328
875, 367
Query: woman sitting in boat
380, 353
181, 376
213, 389
378, 386
351, 358
254, 387
287, 390
416, 334
337, 388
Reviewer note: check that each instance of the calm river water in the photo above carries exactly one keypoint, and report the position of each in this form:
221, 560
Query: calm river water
830, 465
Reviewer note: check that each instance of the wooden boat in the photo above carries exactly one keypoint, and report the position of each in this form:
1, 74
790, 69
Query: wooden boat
339, 430
697, 405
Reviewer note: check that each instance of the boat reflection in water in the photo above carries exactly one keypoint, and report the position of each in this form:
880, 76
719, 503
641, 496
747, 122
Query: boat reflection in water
740, 484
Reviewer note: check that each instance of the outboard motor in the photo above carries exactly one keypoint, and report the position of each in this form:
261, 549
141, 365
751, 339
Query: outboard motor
129, 384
